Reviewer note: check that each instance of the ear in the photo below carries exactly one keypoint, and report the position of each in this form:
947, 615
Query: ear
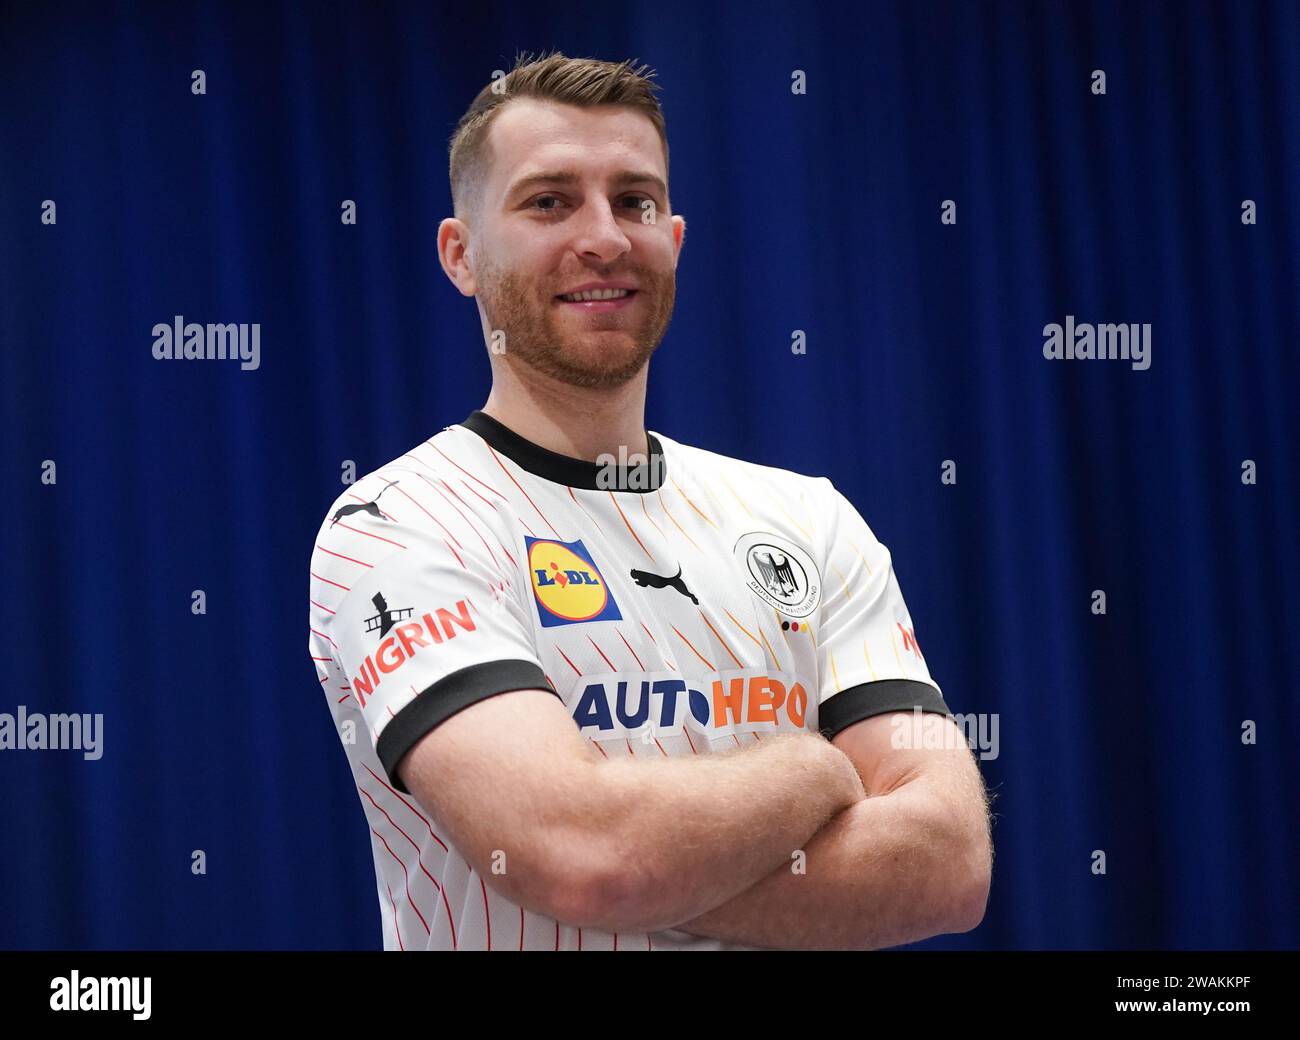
453, 249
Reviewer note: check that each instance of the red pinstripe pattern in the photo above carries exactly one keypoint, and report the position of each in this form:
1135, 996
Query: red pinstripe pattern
743, 504
612, 667
481, 498
559, 651
591, 518
747, 632
440, 524
645, 510
464, 470
766, 494
444, 483
707, 663
405, 874
507, 552
523, 492
369, 534
708, 493
662, 654
397, 827
720, 639
707, 519
495, 562
697, 490
400, 945
686, 732
664, 506
631, 651
398, 795
629, 526
350, 559
421, 461
328, 582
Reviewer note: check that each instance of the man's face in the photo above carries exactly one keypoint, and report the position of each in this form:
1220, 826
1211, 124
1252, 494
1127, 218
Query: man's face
535, 239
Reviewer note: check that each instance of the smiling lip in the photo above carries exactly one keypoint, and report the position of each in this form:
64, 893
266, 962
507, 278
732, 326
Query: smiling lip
598, 306
587, 286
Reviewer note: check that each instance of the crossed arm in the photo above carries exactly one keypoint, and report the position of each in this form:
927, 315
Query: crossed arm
910, 860
793, 842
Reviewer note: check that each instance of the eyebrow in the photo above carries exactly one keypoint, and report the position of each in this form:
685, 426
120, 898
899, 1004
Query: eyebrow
570, 177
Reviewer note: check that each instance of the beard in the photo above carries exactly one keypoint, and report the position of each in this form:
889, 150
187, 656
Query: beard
601, 350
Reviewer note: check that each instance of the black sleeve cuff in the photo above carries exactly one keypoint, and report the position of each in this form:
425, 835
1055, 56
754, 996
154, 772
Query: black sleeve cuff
442, 700
875, 698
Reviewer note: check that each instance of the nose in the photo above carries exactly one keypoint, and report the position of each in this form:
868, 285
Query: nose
599, 235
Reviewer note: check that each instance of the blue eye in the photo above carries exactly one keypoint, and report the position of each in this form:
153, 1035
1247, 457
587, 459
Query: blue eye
630, 202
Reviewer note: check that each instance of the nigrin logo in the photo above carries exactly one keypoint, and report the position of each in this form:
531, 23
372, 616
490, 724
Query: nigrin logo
406, 639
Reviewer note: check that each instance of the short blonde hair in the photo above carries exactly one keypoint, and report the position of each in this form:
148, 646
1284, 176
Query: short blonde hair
575, 81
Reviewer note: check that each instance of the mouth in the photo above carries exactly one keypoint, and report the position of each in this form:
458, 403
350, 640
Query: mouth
597, 300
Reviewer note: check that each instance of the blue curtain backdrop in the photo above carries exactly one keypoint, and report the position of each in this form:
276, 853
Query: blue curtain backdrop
820, 211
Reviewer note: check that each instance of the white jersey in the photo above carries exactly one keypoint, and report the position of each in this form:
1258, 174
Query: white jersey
699, 605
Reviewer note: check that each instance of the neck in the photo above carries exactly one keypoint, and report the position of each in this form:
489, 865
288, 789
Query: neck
581, 422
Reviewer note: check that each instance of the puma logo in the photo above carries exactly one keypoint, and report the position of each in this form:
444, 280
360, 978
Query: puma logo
658, 581
362, 507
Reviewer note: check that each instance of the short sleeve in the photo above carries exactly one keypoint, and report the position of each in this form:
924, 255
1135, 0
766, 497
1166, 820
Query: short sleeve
421, 623
869, 658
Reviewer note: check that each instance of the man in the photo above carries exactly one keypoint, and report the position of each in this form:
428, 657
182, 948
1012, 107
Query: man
600, 689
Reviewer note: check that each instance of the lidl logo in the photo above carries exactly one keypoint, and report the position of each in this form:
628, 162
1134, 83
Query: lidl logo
567, 584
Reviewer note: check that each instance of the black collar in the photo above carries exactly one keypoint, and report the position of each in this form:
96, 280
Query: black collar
564, 469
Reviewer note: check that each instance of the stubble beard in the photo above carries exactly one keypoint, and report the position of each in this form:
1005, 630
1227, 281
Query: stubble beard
606, 354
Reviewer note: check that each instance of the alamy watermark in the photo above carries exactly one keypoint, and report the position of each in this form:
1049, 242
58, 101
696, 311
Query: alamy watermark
190, 341
1085, 342
922, 729
34, 731
131, 993
629, 472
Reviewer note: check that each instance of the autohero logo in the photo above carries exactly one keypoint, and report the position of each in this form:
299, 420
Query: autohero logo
407, 639
736, 701
73, 993
567, 584
779, 572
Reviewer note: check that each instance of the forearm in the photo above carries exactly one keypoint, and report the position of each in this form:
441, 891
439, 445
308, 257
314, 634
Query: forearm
691, 833
887, 870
